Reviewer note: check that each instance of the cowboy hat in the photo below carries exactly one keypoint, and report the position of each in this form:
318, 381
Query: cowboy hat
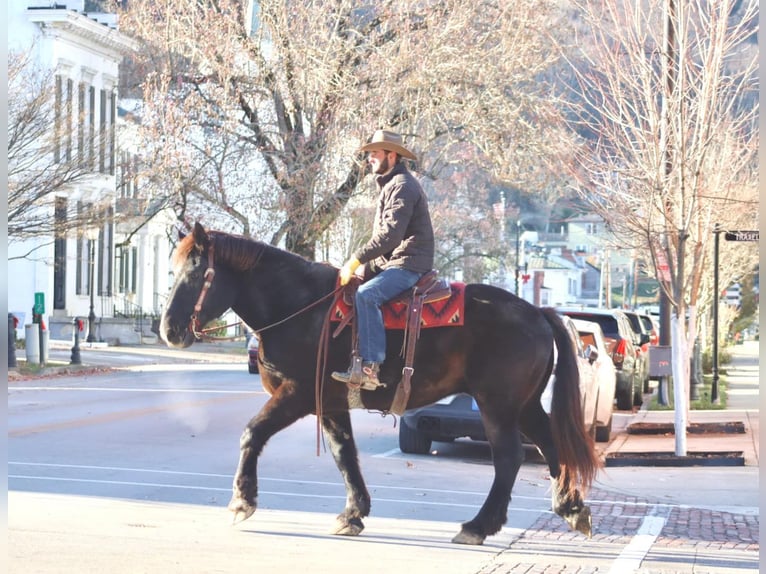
389, 141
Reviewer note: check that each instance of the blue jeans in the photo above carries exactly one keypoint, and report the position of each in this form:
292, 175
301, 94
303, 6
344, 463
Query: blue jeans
370, 296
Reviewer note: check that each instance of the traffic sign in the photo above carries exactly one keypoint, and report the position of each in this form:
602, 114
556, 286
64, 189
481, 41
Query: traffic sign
742, 236
39, 306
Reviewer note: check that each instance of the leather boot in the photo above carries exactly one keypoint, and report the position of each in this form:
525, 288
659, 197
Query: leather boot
367, 378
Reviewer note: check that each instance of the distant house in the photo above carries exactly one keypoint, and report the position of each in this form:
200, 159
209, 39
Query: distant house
553, 277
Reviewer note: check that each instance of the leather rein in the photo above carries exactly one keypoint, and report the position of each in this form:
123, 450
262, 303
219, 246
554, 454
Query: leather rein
202, 334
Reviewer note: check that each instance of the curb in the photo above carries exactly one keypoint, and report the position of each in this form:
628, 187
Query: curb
654, 458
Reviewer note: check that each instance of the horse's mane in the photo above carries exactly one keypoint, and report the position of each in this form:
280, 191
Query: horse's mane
238, 251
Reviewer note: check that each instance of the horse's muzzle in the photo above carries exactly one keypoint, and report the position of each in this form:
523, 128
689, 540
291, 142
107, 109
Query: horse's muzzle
175, 335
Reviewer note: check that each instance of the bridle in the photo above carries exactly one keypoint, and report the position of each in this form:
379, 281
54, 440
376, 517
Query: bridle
194, 327
202, 334
194, 324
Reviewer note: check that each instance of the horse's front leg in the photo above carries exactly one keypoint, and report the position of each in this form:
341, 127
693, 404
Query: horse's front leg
340, 437
281, 410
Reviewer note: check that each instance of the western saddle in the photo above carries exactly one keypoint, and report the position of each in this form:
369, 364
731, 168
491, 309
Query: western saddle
428, 289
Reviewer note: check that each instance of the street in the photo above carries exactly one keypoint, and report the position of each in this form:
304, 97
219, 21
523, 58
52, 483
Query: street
130, 471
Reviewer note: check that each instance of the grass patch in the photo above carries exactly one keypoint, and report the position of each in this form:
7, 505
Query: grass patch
703, 403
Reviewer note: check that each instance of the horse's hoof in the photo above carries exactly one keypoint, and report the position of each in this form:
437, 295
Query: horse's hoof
465, 537
241, 509
348, 527
582, 522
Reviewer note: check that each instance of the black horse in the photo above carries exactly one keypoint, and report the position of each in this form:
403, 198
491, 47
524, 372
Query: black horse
503, 355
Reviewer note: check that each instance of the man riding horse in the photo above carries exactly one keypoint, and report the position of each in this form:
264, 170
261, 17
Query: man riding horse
399, 252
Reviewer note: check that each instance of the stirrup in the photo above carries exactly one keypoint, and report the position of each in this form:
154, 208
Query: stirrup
364, 376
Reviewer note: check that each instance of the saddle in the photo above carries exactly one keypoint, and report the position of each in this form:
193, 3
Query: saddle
428, 289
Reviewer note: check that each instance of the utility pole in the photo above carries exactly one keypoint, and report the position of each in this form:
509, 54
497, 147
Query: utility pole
670, 58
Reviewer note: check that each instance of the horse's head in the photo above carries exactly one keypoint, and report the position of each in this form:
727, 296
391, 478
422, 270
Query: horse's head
195, 298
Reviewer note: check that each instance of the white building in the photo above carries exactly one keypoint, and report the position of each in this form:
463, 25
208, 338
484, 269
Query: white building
88, 271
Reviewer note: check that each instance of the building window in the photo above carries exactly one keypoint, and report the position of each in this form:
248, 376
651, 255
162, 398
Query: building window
105, 272
59, 254
58, 106
127, 262
102, 139
112, 131
69, 120
91, 128
81, 101
591, 228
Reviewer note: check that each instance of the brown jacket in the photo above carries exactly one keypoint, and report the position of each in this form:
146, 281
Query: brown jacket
402, 234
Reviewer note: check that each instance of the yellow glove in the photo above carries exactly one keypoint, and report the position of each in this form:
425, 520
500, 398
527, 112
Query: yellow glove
348, 270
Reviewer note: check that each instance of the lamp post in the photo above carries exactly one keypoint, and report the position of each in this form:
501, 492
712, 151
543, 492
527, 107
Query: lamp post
92, 235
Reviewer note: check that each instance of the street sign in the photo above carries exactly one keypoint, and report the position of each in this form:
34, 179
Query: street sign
39, 307
742, 236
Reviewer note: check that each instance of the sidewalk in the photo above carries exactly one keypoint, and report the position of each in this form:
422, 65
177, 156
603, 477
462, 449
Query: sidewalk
742, 406
733, 488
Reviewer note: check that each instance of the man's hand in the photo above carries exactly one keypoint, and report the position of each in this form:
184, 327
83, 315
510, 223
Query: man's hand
348, 270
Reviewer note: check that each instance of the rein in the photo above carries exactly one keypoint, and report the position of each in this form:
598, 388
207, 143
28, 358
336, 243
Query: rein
194, 324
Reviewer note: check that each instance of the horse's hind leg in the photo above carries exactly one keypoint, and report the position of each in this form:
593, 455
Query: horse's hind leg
280, 411
339, 435
507, 456
536, 425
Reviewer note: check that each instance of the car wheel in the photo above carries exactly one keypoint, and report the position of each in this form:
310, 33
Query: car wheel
624, 398
638, 397
604, 433
413, 441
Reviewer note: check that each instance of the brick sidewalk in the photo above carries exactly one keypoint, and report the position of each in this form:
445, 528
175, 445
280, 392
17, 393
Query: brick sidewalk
719, 541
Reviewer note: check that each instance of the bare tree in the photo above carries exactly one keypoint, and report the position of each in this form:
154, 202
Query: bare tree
262, 113
668, 110
43, 160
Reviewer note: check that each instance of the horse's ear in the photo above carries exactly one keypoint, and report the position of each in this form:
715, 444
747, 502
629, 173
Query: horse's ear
200, 236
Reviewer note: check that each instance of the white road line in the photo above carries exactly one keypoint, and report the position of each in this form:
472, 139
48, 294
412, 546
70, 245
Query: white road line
260, 492
634, 553
388, 453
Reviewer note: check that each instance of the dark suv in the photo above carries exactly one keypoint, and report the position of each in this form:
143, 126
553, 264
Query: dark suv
619, 338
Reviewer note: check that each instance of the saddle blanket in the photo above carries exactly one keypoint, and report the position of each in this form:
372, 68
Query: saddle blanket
447, 312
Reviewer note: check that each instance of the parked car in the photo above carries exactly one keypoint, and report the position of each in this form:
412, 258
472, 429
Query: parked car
651, 327
641, 339
591, 334
457, 416
252, 354
619, 343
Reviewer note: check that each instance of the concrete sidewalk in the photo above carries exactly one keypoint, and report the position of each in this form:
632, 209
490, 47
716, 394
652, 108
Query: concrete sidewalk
734, 488
742, 405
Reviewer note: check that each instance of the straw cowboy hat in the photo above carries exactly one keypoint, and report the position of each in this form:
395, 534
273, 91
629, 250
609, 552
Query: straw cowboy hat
389, 141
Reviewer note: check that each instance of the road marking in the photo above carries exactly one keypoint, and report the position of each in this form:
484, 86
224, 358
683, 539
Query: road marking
388, 453
260, 492
634, 553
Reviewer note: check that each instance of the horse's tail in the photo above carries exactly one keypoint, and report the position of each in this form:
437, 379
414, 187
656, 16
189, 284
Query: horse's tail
577, 456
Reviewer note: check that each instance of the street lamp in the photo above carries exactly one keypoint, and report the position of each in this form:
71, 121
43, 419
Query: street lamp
92, 234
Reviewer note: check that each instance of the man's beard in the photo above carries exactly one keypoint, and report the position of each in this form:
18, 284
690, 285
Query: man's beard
383, 166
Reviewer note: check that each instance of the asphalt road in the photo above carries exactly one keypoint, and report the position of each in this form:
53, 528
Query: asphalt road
130, 471
144, 454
